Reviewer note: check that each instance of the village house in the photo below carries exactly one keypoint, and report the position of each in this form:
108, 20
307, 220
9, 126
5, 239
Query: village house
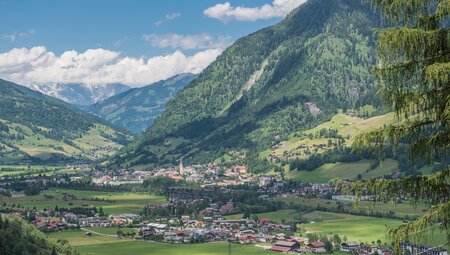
317, 247
349, 247
285, 246
421, 249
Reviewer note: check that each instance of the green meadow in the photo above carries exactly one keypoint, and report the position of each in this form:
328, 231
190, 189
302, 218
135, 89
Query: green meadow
111, 202
349, 170
144, 248
276, 216
356, 228
360, 228
403, 209
105, 245
11, 170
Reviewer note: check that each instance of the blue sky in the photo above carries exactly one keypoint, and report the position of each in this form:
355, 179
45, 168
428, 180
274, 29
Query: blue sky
62, 33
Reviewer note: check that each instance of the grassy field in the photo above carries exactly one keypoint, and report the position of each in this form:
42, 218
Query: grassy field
399, 209
277, 216
99, 245
116, 202
356, 228
345, 126
146, 248
350, 170
37, 145
78, 238
11, 170
112, 230
305, 143
360, 228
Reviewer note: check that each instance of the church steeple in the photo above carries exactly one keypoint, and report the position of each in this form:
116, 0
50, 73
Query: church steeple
181, 167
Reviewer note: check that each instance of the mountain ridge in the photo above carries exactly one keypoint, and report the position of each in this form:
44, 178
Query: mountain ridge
80, 94
318, 60
136, 109
36, 127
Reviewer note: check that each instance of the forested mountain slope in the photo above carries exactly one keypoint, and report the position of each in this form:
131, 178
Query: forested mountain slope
20, 237
136, 109
278, 80
36, 127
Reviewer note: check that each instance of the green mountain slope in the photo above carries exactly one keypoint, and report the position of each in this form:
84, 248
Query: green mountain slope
19, 237
136, 109
36, 127
281, 79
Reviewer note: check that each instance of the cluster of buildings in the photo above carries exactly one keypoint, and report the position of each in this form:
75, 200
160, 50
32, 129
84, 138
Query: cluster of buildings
421, 249
121, 177
243, 231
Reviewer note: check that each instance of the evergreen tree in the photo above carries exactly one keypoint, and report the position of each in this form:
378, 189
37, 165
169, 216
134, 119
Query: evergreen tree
413, 70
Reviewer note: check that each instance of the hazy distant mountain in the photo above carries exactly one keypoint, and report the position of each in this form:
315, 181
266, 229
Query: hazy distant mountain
80, 94
136, 109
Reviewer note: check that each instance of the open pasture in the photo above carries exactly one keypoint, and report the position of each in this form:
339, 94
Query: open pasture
401, 210
279, 216
344, 171
105, 245
361, 228
111, 202
356, 228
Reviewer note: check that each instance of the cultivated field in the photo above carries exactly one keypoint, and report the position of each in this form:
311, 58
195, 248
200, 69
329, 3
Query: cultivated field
344, 171
105, 245
360, 228
356, 228
11, 170
401, 210
111, 202
276, 216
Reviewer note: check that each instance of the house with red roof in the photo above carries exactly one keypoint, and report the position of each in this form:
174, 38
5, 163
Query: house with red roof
284, 246
227, 207
317, 247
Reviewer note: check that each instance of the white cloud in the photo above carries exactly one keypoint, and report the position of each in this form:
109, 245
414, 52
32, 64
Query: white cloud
226, 12
177, 41
97, 66
14, 36
171, 16
168, 17
157, 23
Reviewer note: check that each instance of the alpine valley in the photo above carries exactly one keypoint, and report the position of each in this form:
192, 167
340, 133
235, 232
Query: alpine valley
275, 127
136, 109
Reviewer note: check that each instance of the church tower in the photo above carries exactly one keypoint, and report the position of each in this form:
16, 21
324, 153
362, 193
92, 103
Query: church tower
181, 167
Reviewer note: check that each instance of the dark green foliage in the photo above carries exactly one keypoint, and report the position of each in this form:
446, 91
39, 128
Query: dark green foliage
328, 246
413, 71
281, 79
19, 237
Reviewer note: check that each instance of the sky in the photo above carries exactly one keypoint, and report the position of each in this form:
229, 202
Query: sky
134, 42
